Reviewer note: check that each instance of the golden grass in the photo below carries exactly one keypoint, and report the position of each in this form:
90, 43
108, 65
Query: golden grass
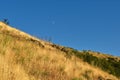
24, 60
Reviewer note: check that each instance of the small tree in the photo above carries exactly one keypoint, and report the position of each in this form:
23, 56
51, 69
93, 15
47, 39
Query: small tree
6, 21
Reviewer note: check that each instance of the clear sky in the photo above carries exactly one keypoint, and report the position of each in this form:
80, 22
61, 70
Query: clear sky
80, 24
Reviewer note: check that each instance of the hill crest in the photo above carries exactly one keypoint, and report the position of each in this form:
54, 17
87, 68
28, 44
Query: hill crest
6, 29
35, 59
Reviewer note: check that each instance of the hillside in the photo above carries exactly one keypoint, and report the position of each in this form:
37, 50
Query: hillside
24, 57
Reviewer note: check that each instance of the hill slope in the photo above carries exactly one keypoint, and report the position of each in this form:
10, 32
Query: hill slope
23, 57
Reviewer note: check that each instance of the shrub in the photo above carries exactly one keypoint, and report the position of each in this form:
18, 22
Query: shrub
111, 65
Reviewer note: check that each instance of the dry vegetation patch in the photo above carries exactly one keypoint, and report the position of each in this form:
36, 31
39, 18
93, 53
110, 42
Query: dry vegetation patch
24, 60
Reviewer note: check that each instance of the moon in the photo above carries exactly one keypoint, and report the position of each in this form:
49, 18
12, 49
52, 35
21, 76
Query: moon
53, 22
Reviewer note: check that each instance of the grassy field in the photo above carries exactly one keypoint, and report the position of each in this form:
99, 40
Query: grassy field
22, 57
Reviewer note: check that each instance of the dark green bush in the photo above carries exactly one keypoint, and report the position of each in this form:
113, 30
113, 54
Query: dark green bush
110, 65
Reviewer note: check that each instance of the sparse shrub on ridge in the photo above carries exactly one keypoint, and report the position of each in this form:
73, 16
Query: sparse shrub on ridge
6, 21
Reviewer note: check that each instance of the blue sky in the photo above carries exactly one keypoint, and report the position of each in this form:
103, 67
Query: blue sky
80, 24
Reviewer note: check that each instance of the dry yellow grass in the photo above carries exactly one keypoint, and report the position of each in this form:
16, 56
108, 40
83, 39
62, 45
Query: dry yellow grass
21, 59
